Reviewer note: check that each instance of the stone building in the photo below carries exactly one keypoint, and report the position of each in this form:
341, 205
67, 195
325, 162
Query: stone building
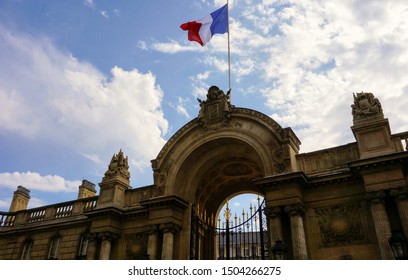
337, 203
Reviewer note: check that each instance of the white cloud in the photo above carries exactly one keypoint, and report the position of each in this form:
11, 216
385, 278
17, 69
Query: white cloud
236, 204
90, 3
175, 47
94, 158
105, 14
49, 95
181, 106
5, 203
325, 51
36, 181
142, 45
307, 57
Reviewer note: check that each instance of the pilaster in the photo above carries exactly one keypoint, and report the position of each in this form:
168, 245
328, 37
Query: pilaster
275, 223
401, 199
153, 242
169, 229
298, 232
381, 223
106, 244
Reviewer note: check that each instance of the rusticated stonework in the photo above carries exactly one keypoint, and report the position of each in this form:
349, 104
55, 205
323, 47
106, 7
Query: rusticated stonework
340, 224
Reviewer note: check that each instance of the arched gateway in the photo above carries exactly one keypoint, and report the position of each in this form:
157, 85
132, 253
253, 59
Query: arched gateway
219, 154
345, 202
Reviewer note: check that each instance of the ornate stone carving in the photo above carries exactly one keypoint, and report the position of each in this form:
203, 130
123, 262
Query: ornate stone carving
136, 246
295, 209
340, 224
400, 193
273, 212
170, 227
159, 177
216, 110
281, 159
118, 166
375, 197
366, 105
107, 235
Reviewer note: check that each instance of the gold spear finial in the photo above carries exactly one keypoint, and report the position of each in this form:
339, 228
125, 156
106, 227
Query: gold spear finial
227, 212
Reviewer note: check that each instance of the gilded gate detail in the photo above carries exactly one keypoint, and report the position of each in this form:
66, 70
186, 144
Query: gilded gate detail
233, 237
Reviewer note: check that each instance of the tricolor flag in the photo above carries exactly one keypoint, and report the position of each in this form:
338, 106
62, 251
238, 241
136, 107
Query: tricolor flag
202, 30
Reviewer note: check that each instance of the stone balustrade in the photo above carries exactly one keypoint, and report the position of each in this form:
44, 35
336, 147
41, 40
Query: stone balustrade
49, 212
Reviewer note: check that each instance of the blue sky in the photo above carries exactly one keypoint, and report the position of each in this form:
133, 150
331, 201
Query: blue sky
80, 80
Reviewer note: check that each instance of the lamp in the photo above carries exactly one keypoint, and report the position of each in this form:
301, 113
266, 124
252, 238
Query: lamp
398, 245
279, 250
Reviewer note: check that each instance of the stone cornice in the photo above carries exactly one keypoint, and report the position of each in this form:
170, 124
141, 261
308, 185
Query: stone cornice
298, 177
379, 161
306, 181
161, 201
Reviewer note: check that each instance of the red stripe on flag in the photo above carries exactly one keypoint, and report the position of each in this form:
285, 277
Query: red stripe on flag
193, 27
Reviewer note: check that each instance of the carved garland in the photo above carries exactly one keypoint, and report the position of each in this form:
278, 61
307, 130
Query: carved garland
340, 224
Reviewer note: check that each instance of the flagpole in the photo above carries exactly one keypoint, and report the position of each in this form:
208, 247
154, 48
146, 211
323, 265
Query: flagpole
229, 53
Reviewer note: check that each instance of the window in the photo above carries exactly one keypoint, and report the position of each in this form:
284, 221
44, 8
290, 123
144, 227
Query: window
54, 246
245, 252
28, 245
253, 251
83, 247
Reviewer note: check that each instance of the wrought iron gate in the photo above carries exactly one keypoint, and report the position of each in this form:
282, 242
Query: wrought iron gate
241, 238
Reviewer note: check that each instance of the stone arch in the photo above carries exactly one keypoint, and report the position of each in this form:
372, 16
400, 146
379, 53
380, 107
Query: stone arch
250, 144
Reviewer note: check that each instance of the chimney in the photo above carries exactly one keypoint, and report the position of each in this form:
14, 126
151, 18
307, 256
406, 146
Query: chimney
20, 199
86, 189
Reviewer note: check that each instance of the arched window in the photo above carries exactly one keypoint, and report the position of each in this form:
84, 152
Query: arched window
54, 247
83, 246
28, 245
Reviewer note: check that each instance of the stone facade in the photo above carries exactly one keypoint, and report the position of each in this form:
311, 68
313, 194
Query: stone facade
337, 203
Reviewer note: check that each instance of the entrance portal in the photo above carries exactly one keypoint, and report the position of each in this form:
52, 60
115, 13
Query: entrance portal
218, 155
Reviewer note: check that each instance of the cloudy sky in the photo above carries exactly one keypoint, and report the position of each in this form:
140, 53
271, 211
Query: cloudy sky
80, 80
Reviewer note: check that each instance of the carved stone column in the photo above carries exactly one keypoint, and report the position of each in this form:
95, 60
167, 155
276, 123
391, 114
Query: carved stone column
153, 242
401, 198
106, 244
298, 231
275, 223
381, 223
169, 229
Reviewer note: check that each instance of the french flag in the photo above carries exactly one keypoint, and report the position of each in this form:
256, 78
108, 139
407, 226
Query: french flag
202, 30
